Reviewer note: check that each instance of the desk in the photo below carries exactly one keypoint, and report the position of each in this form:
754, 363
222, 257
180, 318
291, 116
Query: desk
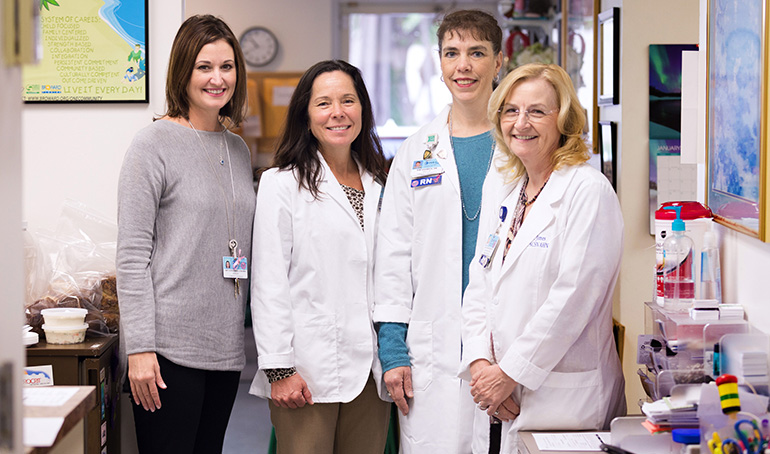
627, 433
73, 411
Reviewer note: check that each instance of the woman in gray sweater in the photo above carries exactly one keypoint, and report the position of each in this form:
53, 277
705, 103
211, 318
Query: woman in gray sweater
185, 211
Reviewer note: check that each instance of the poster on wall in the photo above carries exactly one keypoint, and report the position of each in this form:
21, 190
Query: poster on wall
92, 51
670, 180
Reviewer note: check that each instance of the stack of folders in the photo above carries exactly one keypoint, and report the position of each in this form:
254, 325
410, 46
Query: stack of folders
753, 366
730, 312
666, 414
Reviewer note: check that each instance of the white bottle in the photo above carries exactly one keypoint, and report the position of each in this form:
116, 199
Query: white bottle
678, 269
710, 272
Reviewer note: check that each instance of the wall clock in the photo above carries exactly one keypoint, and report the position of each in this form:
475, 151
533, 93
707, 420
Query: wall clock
259, 46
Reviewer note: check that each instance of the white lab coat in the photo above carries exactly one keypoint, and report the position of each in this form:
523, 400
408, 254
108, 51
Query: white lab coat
312, 285
549, 306
418, 281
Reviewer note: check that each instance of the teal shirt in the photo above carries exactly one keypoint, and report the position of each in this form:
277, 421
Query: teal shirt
472, 156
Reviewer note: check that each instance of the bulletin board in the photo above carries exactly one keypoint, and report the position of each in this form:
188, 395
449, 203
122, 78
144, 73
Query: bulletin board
92, 51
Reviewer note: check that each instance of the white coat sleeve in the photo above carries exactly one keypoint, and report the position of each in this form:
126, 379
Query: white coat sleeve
475, 334
587, 269
271, 307
393, 285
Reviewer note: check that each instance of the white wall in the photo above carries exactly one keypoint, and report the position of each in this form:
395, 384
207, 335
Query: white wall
642, 24
745, 264
11, 259
303, 27
75, 151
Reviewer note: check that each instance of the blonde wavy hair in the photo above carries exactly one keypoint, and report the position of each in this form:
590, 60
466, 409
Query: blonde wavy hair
571, 121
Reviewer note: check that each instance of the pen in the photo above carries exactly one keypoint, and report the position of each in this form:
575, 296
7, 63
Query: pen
611, 449
600, 439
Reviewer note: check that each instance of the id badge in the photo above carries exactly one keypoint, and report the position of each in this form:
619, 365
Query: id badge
489, 250
426, 181
426, 167
235, 267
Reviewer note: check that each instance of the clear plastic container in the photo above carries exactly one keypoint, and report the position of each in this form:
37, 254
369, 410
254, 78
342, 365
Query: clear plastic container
65, 335
710, 270
64, 317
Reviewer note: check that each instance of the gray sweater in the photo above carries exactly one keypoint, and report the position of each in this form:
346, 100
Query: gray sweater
172, 235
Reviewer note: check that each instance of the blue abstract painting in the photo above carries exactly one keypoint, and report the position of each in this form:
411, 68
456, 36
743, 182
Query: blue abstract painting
735, 44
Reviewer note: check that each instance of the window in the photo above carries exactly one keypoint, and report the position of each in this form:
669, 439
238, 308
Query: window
396, 49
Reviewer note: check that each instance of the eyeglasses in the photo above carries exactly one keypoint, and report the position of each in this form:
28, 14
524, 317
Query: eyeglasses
510, 113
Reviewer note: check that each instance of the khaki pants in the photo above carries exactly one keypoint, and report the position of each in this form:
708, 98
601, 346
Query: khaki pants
357, 427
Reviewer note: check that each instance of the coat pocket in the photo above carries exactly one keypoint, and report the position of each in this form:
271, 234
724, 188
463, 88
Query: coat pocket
419, 340
315, 350
565, 401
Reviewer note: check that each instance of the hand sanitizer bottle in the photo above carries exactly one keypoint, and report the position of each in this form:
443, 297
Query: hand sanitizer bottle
678, 282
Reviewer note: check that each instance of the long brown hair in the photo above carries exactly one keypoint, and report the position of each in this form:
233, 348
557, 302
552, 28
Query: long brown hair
297, 147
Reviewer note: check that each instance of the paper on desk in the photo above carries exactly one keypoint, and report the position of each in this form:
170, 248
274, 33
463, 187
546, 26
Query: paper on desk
41, 432
571, 441
52, 396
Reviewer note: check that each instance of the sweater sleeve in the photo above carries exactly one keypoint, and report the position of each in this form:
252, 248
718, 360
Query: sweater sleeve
139, 191
392, 351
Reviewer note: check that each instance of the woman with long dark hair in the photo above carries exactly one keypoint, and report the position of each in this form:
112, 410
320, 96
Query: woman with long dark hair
314, 237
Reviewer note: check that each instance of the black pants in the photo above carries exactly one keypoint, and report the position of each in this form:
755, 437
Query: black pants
195, 410
495, 435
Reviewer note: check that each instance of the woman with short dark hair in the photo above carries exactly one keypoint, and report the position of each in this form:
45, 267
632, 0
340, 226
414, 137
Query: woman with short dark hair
430, 214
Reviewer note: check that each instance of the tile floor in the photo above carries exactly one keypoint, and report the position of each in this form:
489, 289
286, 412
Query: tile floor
249, 427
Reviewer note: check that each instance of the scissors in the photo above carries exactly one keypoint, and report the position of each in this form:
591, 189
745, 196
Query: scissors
736, 447
752, 439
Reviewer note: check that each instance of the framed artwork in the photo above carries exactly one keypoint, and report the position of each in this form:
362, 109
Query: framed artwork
92, 51
737, 91
607, 146
609, 57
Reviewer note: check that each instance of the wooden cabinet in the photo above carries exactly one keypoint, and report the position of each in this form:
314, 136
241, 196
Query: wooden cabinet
93, 362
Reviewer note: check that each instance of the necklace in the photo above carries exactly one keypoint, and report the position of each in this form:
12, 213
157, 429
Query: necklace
523, 194
232, 244
489, 163
518, 215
